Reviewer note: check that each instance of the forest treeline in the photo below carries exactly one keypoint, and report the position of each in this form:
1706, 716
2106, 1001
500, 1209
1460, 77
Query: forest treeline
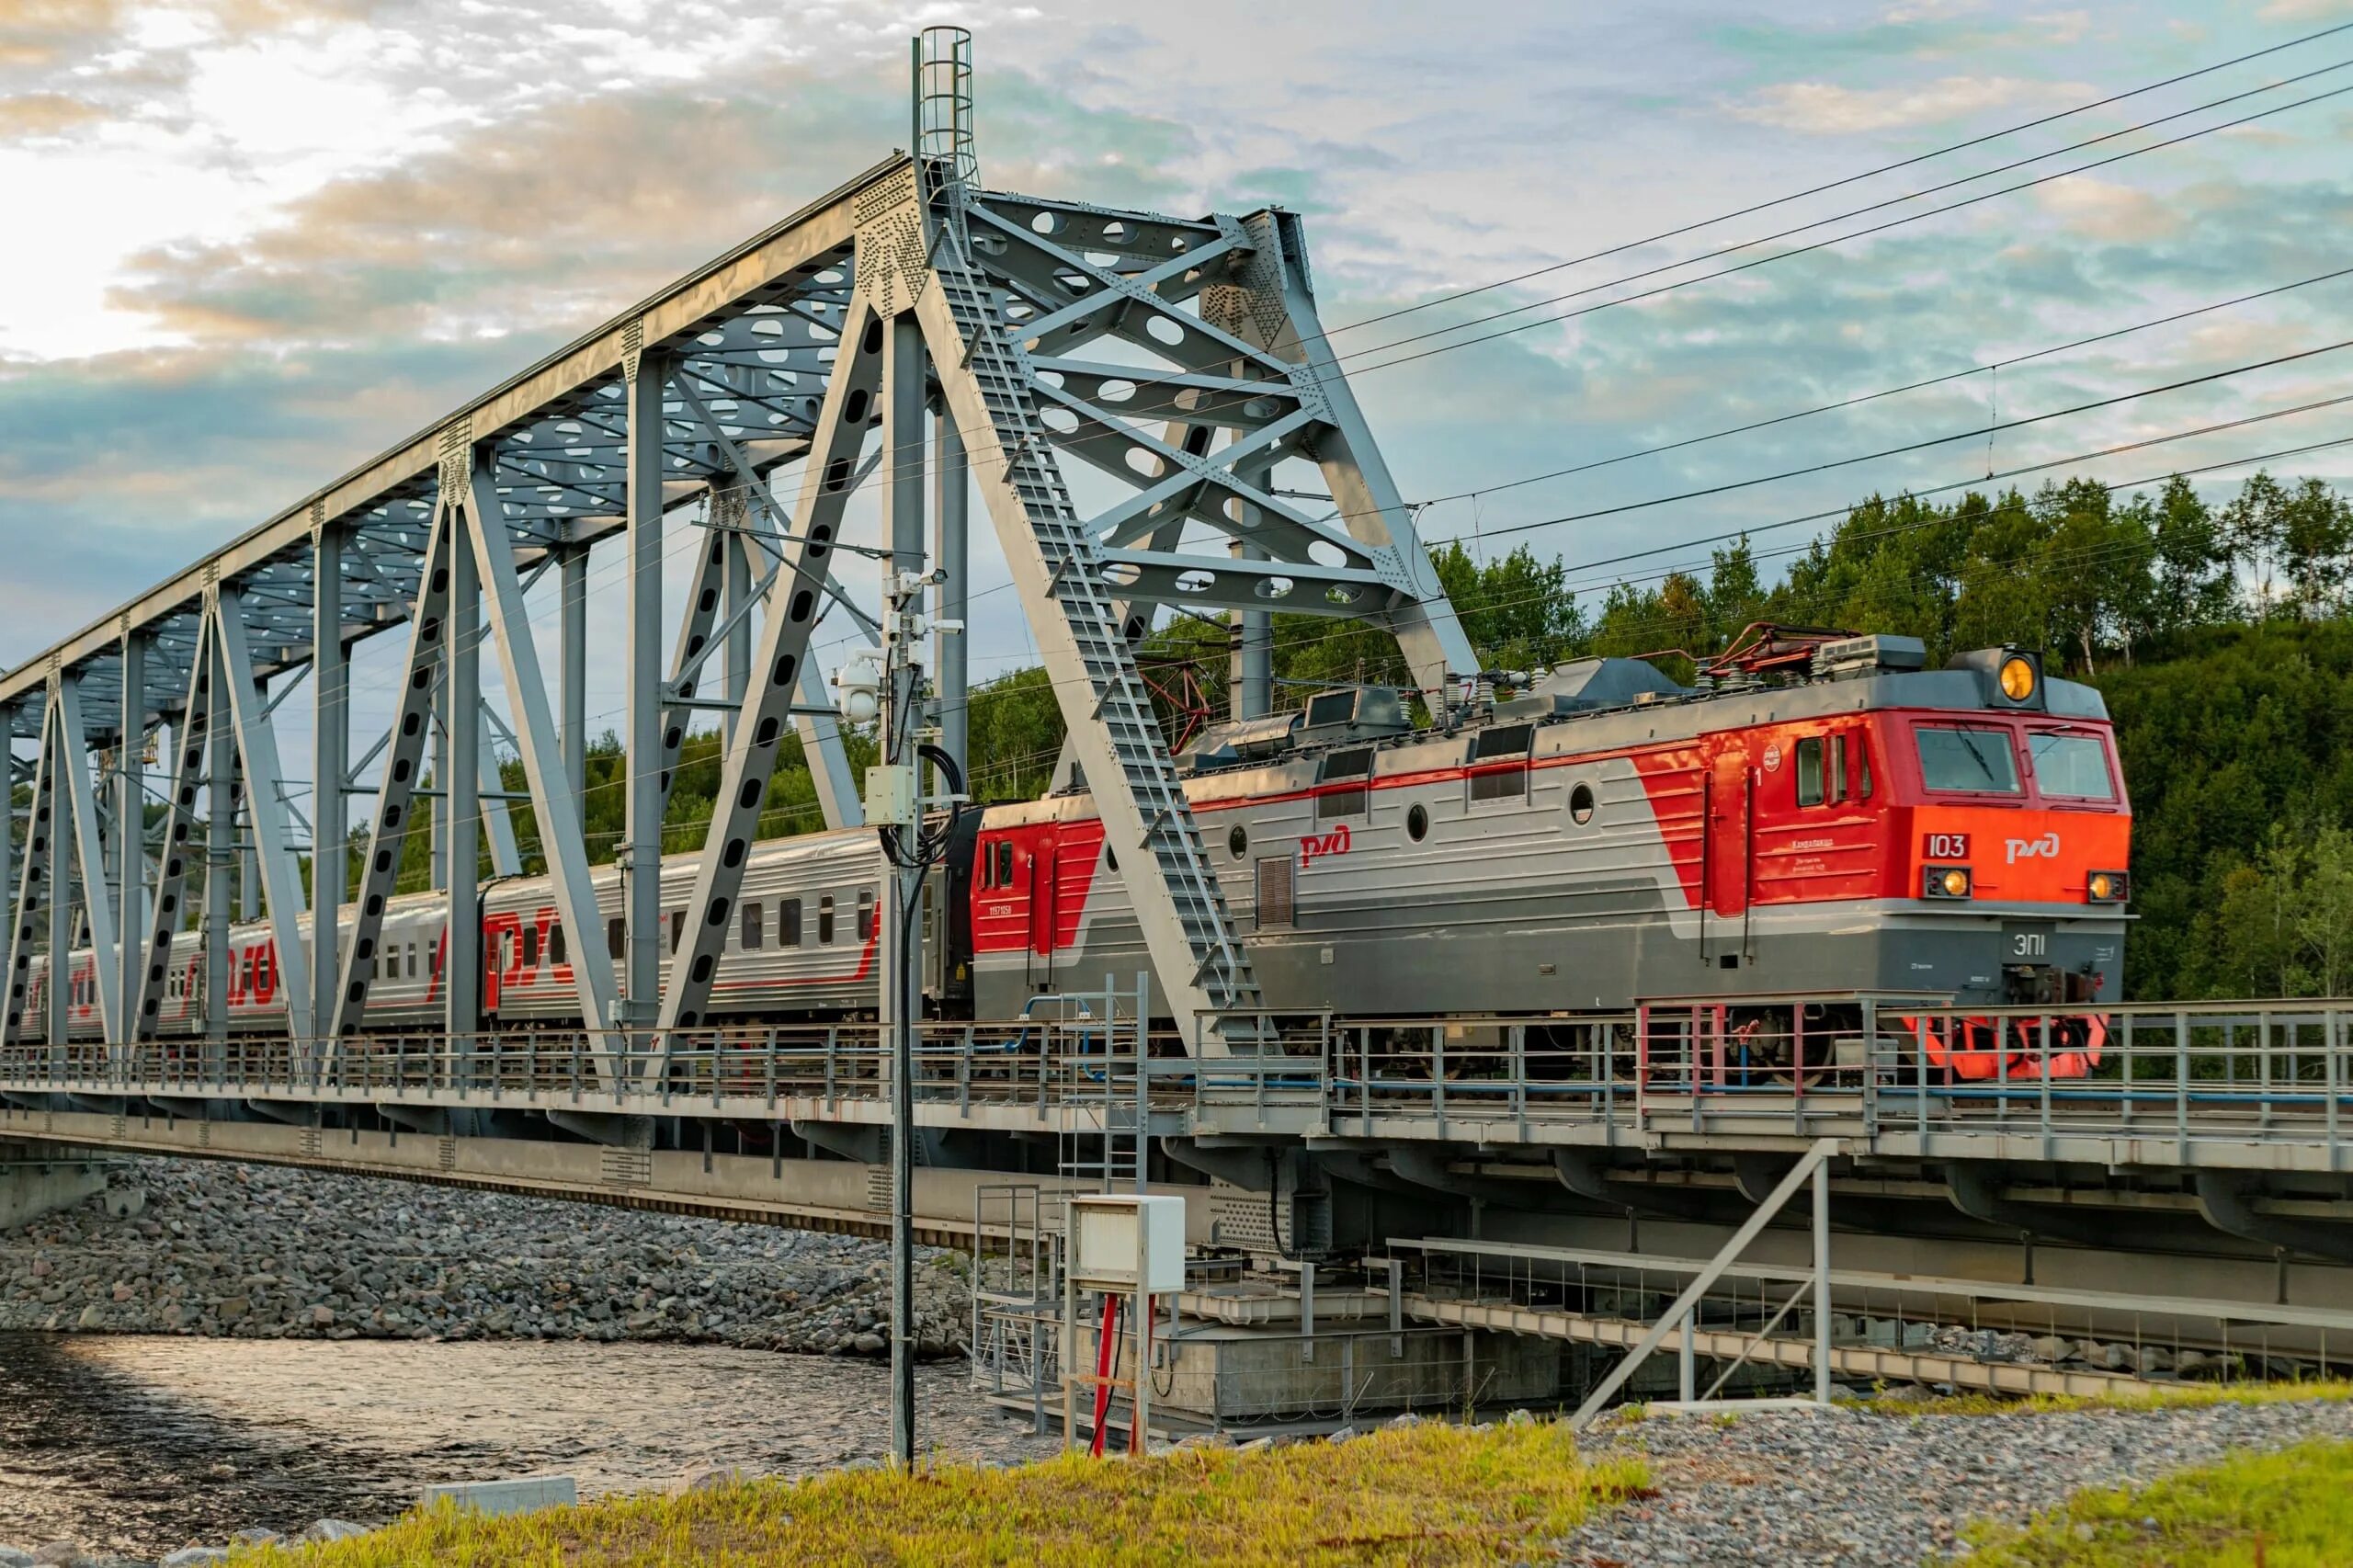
2219, 633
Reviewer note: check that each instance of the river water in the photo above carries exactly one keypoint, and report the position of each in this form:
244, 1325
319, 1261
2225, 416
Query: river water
141, 1445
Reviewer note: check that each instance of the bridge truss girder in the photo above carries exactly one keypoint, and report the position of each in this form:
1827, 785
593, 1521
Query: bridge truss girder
1173, 358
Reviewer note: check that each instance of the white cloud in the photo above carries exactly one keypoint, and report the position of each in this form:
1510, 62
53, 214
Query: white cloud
1826, 108
2096, 209
2306, 10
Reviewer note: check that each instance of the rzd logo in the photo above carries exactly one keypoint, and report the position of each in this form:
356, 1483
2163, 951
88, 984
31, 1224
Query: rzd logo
2043, 849
1313, 846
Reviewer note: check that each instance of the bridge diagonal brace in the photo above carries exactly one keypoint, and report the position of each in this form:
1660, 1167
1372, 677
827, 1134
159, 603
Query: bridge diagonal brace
281, 877
821, 737
404, 756
1677, 1315
89, 848
34, 881
562, 831
777, 668
1115, 737
191, 742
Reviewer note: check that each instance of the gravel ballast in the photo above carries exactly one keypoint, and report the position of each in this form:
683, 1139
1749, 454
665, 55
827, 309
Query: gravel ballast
262, 1252
1867, 1490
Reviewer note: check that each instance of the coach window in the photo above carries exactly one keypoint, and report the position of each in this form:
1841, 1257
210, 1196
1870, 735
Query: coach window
1344, 776
788, 923
755, 927
1581, 805
826, 920
530, 947
411, 959
389, 967
555, 945
866, 914
677, 928
1418, 823
614, 940
1238, 841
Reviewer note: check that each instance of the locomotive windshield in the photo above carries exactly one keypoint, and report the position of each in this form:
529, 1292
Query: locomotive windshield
1975, 760
2070, 766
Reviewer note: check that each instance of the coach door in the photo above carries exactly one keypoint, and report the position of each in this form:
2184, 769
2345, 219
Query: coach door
1732, 814
1044, 886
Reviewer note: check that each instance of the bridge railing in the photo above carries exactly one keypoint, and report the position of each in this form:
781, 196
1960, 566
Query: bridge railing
1036, 1062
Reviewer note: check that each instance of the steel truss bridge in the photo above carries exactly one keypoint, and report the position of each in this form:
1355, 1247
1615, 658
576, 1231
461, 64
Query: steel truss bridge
917, 334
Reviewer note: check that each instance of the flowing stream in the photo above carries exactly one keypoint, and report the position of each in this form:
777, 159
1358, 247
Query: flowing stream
144, 1444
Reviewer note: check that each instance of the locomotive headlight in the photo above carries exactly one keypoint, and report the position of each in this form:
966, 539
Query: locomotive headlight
2018, 678
2108, 887
1945, 882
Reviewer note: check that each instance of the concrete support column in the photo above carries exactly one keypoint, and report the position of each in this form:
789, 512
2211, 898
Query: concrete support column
951, 536
461, 792
41, 1179
641, 831
131, 849
330, 760
572, 659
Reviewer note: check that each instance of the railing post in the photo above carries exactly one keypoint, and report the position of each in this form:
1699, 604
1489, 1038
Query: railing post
833, 1049
1870, 1070
964, 1074
770, 1070
2181, 1085
1437, 1075
2331, 1039
2043, 1091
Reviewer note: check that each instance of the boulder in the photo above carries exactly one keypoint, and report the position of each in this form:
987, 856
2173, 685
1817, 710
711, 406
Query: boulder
194, 1557
333, 1529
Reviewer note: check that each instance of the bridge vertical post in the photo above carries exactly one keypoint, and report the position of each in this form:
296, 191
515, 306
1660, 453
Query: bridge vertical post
330, 760
281, 880
58, 987
437, 740
573, 675
8, 885
736, 548
130, 852
81, 789
37, 873
219, 866
461, 721
642, 829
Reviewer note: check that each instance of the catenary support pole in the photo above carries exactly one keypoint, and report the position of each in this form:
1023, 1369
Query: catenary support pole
642, 829
131, 849
903, 513
330, 760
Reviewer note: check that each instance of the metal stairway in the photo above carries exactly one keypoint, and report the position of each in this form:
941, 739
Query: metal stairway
1215, 976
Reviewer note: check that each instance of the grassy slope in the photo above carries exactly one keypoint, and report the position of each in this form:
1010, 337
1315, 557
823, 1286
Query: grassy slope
2288, 1510
1430, 1494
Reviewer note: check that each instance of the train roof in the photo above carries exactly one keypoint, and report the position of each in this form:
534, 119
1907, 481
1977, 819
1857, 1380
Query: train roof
1607, 703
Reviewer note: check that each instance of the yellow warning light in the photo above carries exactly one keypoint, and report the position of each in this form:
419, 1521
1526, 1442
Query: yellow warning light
2103, 886
1955, 883
2018, 678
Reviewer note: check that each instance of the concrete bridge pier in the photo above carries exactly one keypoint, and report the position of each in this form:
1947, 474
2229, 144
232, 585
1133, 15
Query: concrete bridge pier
40, 1179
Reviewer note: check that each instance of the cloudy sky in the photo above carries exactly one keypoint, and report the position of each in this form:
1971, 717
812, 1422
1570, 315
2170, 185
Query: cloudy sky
253, 242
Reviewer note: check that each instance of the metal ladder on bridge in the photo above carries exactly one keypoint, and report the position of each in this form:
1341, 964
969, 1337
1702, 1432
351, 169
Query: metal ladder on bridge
1122, 705
1107, 1078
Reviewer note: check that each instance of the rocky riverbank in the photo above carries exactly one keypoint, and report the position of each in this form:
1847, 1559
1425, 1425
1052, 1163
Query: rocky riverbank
260, 1252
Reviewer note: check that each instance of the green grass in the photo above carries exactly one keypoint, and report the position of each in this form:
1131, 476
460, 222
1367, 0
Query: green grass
2189, 1396
2288, 1510
1426, 1494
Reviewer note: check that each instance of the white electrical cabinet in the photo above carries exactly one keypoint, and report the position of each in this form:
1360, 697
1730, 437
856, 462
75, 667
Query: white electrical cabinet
1128, 1243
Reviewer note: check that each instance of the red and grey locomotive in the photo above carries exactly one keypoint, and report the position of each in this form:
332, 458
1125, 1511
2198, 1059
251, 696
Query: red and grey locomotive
1819, 816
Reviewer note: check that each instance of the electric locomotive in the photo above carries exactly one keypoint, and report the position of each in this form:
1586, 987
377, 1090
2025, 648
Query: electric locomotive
1818, 816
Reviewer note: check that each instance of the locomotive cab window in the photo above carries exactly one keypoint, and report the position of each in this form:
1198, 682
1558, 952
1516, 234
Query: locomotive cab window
1978, 761
1004, 863
1346, 775
1821, 770
2070, 765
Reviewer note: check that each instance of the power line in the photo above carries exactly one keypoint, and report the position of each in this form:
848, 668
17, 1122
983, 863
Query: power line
1837, 184
1970, 434
1818, 244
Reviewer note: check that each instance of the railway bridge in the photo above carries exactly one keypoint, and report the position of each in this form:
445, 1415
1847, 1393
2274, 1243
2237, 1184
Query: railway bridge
1118, 388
